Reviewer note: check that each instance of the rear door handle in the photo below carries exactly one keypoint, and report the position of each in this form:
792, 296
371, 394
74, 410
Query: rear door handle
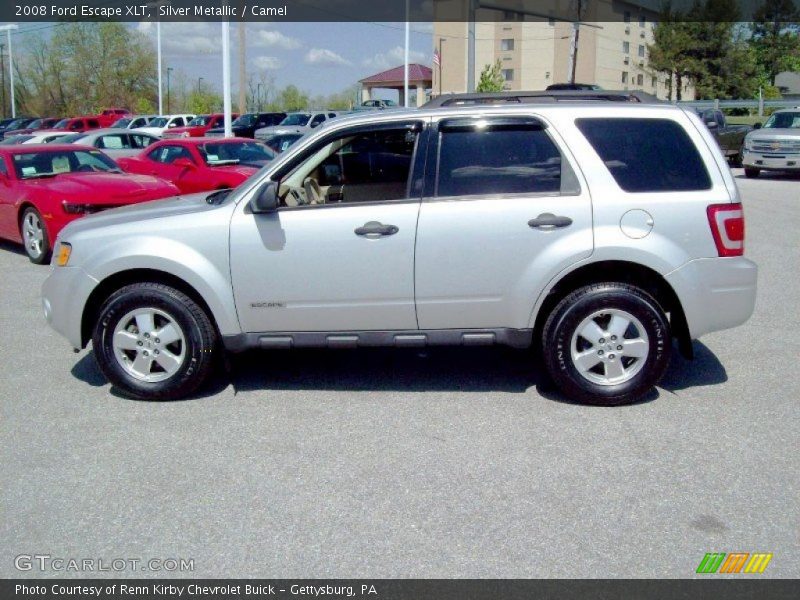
376, 229
549, 221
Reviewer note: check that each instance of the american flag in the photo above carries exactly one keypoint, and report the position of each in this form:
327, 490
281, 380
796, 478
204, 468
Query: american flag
437, 60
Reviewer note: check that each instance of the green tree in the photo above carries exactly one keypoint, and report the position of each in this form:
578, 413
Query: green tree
84, 67
491, 79
775, 37
291, 98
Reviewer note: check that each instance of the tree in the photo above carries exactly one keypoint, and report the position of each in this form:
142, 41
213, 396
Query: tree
84, 67
775, 37
491, 79
291, 98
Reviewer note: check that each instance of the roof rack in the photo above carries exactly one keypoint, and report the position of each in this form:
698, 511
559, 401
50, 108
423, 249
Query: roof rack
540, 97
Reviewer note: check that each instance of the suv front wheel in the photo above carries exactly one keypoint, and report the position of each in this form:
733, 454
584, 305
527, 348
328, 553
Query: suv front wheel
606, 344
154, 342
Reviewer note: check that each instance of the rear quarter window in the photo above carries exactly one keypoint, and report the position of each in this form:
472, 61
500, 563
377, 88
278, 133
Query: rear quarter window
647, 155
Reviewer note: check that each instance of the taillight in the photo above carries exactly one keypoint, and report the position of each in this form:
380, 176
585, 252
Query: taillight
727, 227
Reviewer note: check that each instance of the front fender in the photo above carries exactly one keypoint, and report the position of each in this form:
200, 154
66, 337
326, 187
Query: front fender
210, 278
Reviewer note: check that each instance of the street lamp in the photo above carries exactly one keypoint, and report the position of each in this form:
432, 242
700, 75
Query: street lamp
8, 29
169, 70
199, 82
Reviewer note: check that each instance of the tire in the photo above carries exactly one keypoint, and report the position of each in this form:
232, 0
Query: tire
751, 173
34, 236
594, 372
139, 363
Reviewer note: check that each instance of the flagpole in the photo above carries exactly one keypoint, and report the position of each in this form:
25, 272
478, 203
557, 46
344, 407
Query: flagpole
405, 61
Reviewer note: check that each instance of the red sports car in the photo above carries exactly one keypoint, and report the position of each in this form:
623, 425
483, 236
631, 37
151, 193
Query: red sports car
197, 127
201, 164
44, 187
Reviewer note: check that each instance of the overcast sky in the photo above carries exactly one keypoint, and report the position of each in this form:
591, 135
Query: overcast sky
319, 58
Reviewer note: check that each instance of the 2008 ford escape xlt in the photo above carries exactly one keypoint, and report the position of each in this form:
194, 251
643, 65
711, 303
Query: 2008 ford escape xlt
599, 231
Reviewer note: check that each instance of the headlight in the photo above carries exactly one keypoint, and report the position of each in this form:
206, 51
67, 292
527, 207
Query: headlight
74, 208
62, 254
748, 144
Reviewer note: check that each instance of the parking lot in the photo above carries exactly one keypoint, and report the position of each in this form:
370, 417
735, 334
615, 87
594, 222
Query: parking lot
447, 463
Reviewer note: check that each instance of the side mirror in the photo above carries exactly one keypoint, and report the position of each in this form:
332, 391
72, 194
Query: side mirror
758, 125
184, 163
266, 199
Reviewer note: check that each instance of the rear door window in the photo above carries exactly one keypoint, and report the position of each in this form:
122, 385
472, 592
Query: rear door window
647, 155
495, 158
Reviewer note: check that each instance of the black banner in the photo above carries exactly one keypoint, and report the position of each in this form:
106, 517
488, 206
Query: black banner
387, 10
404, 589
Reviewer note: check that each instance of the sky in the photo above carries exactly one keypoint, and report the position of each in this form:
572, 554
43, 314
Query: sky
319, 58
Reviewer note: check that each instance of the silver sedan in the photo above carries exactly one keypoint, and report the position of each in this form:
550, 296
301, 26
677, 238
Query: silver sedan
117, 143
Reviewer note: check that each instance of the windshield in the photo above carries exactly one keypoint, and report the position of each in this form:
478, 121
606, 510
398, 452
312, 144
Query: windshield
784, 120
50, 163
71, 138
122, 123
245, 120
61, 124
36, 123
200, 120
279, 143
158, 122
16, 139
296, 119
233, 153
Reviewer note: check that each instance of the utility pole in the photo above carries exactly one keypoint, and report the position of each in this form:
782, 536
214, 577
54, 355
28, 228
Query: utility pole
576, 33
169, 70
242, 69
7, 29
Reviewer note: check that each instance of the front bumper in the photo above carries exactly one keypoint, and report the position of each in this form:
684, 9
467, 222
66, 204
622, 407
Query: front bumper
64, 296
716, 293
774, 162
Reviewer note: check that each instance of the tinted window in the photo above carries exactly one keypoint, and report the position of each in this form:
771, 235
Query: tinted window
498, 159
647, 155
169, 154
51, 164
93, 123
141, 141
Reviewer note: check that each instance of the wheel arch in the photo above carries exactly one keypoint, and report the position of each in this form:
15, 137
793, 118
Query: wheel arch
118, 280
621, 271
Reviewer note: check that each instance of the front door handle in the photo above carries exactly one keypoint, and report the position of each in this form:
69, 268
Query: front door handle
549, 221
376, 229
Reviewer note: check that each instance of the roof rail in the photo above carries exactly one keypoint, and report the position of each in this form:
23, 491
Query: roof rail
540, 97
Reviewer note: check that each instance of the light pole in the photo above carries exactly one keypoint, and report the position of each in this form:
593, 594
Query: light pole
169, 70
158, 46
226, 76
8, 29
199, 82
441, 59
258, 93
405, 60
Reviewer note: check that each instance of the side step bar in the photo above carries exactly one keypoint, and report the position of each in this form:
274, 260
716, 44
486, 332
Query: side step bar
517, 338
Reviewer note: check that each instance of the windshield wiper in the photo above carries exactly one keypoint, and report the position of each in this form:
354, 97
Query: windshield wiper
219, 196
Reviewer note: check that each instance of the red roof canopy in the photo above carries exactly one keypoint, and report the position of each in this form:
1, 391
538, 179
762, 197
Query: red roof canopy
416, 72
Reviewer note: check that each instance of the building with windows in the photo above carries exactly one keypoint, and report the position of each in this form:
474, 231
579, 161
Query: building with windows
535, 52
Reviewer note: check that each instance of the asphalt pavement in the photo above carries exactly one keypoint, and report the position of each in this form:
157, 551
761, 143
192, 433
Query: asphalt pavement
447, 463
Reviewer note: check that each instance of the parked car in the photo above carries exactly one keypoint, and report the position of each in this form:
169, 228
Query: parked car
78, 124
16, 125
159, 125
201, 164
34, 125
377, 104
573, 87
37, 137
4, 123
108, 116
297, 122
116, 143
617, 224
247, 124
775, 146
132, 121
46, 187
729, 137
198, 126
281, 142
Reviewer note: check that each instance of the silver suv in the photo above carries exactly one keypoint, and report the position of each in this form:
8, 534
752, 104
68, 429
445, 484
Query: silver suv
595, 231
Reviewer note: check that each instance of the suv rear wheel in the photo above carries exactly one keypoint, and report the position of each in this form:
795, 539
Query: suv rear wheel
606, 344
154, 342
